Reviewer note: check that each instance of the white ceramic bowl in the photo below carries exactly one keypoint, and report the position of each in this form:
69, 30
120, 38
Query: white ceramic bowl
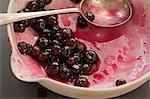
58, 87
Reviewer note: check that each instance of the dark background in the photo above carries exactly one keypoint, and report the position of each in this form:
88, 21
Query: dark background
11, 88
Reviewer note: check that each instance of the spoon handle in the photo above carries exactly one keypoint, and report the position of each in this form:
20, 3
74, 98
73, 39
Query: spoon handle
6, 18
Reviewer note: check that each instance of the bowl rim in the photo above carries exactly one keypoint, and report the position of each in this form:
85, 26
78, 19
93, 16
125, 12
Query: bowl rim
144, 78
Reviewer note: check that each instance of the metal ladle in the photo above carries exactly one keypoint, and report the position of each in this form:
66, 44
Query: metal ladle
108, 13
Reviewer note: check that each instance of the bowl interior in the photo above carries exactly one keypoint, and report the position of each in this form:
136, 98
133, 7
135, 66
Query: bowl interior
125, 57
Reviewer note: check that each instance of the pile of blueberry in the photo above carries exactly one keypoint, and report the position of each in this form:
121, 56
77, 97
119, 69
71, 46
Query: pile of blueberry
59, 52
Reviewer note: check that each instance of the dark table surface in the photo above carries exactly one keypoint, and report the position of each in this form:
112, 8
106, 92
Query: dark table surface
12, 88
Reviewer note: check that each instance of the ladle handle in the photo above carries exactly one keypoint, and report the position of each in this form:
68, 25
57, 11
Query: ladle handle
6, 18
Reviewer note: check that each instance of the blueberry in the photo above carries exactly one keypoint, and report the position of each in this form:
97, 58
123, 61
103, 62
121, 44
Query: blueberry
64, 73
66, 51
86, 69
76, 1
90, 57
57, 36
25, 48
32, 21
48, 51
76, 70
53, 58
77, 57
42, 42
66, 33
72, 43
81, 22
43, 57
22, 47
81, 47
29, 49
26, 22
52, 20
71, 60
56, 29
82, 82
120, 82
41, 3
63, 65
63, 41
55, 42
53, 69
35, 52
33, 6
39, 25
62, 59
46, 33
90, 16
56, 50
19, 26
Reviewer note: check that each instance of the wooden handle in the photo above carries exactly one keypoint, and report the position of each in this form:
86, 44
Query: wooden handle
6, 18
